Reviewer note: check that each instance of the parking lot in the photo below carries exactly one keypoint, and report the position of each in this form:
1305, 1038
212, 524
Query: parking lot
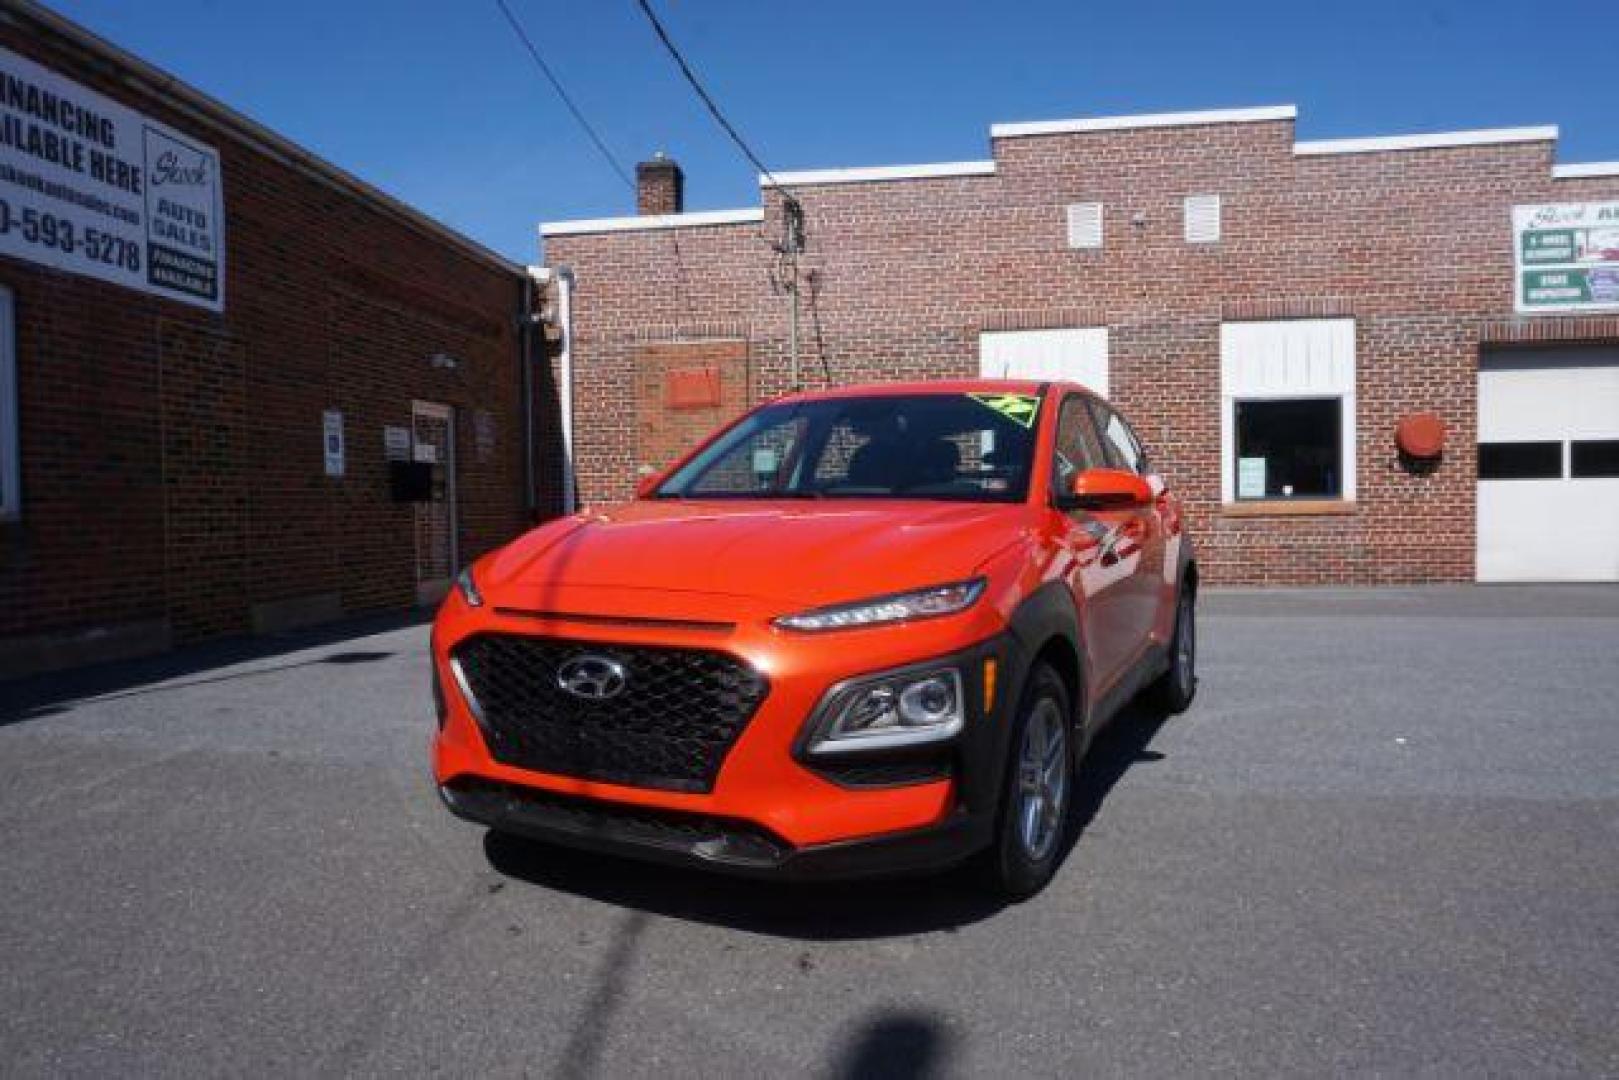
1385, 839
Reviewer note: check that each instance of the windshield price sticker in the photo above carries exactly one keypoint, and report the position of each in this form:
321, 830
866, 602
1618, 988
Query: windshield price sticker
1018, 408
91, 187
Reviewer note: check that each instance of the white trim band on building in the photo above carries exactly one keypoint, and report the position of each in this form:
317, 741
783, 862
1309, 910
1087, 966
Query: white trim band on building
879, 173
1585, 168
644, 222
1145, 120
1435, 141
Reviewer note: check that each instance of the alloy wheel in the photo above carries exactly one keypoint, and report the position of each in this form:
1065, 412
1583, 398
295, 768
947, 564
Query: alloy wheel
1042, 780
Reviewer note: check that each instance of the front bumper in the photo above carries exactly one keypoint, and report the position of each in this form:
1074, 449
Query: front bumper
698, 840
773, 810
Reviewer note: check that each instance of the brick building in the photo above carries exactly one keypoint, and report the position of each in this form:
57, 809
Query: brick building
1268, 311
224, 364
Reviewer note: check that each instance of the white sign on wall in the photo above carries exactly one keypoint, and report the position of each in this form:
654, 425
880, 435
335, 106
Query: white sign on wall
332, 429
1567, 257
92, 187
396, 443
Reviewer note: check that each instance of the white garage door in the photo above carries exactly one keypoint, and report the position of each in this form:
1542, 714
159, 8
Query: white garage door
1056, 355
1548, 490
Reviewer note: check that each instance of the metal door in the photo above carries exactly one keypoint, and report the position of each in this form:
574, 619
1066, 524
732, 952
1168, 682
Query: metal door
433, 442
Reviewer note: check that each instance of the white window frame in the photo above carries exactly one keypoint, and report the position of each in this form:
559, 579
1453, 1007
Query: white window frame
10, 433
1287, 360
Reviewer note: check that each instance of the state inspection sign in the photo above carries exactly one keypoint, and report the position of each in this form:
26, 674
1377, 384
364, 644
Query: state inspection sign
92, 187
1567, 257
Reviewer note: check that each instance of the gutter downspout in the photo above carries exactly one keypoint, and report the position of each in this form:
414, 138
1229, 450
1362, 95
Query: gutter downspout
565, 286
537, 277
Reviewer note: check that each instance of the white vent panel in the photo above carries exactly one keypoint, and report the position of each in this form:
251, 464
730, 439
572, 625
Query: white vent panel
1085, 225
1202, 219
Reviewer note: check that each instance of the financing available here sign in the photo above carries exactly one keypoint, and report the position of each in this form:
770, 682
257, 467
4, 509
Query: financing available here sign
92, 187
1567, 257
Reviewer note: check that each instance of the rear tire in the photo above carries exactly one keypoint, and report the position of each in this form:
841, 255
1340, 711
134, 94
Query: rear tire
1176, 688
1033, 819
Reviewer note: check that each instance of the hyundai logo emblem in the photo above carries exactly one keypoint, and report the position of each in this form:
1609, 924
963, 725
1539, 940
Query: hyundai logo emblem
594, 678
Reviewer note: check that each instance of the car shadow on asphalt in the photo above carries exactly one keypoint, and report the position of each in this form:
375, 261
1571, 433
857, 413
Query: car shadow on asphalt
817, 911
39, 696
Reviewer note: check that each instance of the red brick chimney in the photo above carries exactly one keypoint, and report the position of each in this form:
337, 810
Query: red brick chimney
660, 186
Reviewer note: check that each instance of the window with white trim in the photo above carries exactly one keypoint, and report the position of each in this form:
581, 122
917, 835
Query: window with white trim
1287, 399
10, 438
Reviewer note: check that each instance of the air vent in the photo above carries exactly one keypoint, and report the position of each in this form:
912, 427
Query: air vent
1202, 219
1085, 225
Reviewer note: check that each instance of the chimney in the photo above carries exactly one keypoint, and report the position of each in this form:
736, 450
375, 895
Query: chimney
660, 186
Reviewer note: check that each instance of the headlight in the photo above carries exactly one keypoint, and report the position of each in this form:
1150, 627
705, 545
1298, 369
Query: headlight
921, 604
903, 708
469, 588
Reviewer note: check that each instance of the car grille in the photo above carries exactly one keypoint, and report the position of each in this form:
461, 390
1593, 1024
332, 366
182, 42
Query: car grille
678, 715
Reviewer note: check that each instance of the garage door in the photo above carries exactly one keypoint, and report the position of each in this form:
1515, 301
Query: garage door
1070, 355
1548, 489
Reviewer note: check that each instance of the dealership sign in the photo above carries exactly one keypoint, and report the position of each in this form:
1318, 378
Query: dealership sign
1567, 257
91, 187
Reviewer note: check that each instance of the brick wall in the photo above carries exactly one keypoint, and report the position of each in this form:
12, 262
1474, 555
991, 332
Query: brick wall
172, 459
1416, 246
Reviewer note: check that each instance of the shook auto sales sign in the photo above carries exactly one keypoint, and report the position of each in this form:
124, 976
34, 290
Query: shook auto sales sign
91, 187
1567, 257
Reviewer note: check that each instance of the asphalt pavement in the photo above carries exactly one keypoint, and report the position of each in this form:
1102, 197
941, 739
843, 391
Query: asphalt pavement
1385, 839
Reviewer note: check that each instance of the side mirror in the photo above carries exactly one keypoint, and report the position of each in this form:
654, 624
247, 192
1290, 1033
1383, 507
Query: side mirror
1106, 489
646, 485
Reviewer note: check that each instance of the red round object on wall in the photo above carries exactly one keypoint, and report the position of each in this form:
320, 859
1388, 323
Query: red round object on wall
1420, 435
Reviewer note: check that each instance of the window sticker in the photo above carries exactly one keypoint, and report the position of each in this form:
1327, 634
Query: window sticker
1018, 408
1251, 478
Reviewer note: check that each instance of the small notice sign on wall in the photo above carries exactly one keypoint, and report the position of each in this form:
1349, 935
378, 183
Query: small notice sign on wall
396, 443
332, 430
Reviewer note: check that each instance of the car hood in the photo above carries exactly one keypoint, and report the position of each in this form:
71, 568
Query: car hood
809, 553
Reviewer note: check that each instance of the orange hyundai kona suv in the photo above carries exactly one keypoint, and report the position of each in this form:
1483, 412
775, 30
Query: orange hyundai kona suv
865, 631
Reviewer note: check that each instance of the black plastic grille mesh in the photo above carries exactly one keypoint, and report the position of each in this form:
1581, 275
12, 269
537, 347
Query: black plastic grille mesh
679, 714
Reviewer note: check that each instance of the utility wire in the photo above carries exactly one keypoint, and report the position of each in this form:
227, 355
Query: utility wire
608, 155
556, 84
714, 109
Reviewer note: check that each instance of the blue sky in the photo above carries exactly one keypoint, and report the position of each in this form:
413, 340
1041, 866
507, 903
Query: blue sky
438, 104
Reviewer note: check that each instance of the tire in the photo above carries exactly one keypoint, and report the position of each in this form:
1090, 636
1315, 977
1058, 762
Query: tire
1033, 818
1175, 688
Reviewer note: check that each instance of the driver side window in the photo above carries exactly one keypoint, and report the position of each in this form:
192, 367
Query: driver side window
1077, 447
1123, 451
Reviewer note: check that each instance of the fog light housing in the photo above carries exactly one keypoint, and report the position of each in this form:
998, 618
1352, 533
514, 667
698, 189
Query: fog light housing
908, 707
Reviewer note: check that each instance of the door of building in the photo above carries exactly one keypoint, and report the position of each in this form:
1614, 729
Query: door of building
433, 442
1548, 488
1067, 355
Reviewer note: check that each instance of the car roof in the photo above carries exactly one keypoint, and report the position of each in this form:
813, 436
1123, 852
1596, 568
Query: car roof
931, 386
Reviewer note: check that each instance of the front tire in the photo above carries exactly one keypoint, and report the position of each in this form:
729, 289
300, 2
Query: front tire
1031, 831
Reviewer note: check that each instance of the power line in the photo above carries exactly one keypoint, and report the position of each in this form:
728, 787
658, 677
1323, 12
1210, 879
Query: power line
556, 84
611, 158
714, 109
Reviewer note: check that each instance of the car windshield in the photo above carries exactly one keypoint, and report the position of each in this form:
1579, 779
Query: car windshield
974, 447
